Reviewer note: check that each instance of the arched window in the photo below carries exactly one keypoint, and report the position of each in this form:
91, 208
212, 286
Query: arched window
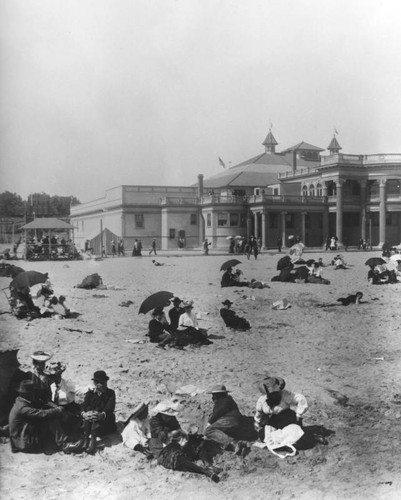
312, 190
304, 190
319, 190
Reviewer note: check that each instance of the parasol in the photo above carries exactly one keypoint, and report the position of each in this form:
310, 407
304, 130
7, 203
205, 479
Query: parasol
157, 299
375, 261
229, 263
28, 279
10, 271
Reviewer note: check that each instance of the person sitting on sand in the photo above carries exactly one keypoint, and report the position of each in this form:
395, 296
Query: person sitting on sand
173, 456
231, 319
278, 407
338, 263
98, 411
231, 278
136, 433
188, 330
162, 423
315, 275
175, 313
40, 378
158, 329
225, 420
351, 299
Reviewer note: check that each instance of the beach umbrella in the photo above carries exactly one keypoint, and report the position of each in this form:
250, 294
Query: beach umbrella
158, 299
375, 261
283, 262
10, 271
229, 263
28, 279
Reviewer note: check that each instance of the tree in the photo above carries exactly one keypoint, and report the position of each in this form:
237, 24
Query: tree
11, 205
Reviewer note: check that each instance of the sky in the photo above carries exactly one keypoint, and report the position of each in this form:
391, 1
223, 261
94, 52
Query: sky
98, 93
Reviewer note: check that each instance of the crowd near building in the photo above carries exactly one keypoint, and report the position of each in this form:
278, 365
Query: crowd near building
303, 190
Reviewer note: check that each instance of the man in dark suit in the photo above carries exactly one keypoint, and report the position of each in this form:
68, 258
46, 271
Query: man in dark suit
98, 411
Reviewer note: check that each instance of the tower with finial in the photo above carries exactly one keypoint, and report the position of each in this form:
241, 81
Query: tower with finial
270, 142
334, 146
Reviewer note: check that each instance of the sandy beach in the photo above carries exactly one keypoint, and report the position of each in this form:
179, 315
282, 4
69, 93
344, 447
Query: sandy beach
345, 360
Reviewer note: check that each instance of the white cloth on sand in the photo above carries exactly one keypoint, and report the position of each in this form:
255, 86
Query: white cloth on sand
136, 432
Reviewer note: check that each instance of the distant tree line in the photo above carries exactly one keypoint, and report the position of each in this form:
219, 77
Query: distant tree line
36, 205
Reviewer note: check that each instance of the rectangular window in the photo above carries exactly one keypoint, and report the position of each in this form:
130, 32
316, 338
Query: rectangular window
273, 220
194, 219
222, 219
209, 220
391, 219
172, 234
290, 221
139, 220
234, 220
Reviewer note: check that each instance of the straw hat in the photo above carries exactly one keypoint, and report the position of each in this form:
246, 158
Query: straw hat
272, 384
188, 304
219, 389
41, 356
138, 410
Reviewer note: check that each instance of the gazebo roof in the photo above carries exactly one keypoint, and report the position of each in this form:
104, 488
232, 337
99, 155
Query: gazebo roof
47, 223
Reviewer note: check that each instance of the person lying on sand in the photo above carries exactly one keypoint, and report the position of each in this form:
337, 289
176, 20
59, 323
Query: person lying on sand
315, 275
155, 263
338, 263
173, 456
351, 299
231, 278
231, 319
224, 421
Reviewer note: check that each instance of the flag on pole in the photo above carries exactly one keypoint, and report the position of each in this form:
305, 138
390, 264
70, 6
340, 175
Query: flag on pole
222, 162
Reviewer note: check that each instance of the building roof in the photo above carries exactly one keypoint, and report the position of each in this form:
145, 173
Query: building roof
270, 140
303, 145
334, 144
47, 223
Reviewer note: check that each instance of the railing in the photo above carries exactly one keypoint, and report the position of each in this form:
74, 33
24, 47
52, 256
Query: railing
178, 201
219, 199
285, 199
298, 172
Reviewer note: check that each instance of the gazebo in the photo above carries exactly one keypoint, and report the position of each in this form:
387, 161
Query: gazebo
49, 224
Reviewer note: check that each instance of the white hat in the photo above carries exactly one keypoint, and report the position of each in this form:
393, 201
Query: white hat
41, 356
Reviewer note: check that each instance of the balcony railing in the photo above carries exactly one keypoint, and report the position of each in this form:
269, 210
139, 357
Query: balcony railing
178, 201
285, 199
216, 199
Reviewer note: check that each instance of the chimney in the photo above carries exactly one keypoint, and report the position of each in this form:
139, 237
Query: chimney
200, 186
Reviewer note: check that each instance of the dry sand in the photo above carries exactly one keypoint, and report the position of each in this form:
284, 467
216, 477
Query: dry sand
354, 350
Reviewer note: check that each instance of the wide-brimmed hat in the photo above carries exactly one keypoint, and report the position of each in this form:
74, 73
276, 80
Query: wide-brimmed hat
41, 356
227, 302
188, 304
218, 389
55, 368
100, 376
138, 410
26, 387
271, 384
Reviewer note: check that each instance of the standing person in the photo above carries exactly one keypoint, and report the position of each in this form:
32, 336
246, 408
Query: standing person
327, 244
206, 247
139, 248
259, 244
113, 248
98, 411
231, 247
253, 247
224, 421
279, 244
120, 248
135, 249
153, 249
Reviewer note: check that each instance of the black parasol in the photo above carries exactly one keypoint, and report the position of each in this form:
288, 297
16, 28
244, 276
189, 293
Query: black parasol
283, 262
375, 261
158, 299
28, 279
229, 263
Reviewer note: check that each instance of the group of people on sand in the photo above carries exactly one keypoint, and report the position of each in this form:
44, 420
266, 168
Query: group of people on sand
43, 305
117, 248
49, 414
382, 275
232, 278
182, 329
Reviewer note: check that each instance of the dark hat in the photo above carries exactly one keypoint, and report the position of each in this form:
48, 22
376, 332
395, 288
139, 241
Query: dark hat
100, 376
177, 300
138, 410
26, 387
218, 389
271, 384
227, 302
